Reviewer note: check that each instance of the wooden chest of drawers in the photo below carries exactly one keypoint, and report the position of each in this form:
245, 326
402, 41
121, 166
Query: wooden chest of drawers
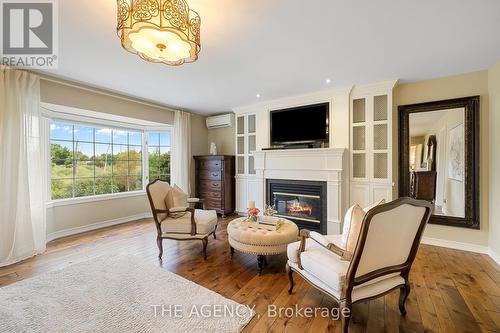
423, 185
215, 182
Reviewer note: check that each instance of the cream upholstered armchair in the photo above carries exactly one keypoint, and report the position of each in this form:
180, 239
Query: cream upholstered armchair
174, 218
386, 247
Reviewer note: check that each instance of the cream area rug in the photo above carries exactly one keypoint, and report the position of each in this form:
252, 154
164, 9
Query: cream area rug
120, 293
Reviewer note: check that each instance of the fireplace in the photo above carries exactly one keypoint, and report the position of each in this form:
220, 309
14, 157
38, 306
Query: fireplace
303, 202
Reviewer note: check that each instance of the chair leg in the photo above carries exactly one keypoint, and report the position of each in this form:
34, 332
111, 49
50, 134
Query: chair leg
290, 277
231, 249
205, 243
403, 295
159, 242
345, 317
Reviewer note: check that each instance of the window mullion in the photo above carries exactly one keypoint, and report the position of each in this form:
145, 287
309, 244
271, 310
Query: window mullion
145, 158
128, 161
112, 163
94, 160
74, 160
158, 172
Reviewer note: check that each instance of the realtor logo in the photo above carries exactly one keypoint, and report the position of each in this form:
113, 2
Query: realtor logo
29, 33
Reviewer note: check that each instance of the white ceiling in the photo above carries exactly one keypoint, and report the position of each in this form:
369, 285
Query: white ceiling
279, 48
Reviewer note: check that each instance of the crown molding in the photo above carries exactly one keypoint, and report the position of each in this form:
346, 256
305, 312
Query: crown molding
374, 88
295, 100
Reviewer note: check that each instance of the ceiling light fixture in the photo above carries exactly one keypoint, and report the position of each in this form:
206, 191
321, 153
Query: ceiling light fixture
328, 81
258, 95
160, 31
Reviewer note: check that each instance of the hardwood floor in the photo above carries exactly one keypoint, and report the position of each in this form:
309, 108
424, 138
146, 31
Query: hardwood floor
452, 291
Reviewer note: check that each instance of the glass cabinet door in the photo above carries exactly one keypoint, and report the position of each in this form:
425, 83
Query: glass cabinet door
240, 125
359, 132
240, 149
380, 137
246, 143
252, 128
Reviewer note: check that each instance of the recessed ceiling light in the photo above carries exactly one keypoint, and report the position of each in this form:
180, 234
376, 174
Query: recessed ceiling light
258, 95
328, 81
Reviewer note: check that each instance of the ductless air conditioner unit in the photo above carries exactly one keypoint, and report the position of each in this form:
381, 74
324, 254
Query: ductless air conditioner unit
223, 120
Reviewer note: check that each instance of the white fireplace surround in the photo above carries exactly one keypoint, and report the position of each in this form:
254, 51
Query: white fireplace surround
322, 164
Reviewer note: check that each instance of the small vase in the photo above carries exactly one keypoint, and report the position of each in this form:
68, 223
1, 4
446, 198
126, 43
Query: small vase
252, 218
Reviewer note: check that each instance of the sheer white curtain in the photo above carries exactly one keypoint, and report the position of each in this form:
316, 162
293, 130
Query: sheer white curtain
22, 167
181, 151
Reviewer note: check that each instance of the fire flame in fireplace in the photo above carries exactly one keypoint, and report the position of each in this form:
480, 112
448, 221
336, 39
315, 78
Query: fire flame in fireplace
296, 208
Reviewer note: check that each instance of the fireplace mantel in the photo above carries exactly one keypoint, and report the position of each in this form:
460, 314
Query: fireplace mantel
322, 164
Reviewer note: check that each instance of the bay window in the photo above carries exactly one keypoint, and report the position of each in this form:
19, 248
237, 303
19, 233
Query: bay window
90, 160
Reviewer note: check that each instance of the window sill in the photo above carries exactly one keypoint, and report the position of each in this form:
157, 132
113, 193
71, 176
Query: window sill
103, 197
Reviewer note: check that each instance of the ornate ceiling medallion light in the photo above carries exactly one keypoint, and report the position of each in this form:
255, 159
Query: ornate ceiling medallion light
163, 31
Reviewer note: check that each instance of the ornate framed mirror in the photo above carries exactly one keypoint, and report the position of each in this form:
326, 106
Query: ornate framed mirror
439, 158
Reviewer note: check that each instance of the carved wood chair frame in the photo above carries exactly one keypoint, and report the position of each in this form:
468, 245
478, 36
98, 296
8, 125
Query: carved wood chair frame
351, 280
160, 237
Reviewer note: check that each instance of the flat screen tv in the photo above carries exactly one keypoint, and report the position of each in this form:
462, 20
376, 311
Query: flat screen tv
300, 125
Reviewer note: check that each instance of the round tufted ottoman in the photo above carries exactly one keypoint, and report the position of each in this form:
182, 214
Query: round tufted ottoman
245, 237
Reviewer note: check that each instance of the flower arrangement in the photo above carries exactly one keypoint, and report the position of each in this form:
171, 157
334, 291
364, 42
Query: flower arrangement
252, 214
270, 210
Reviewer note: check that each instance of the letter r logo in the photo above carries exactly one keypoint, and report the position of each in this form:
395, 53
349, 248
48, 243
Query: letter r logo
27, 27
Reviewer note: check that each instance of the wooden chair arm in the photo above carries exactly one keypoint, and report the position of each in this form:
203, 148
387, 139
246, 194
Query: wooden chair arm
345, 255
188, 209
305, 234
203, 204
199, 202
171, 212
193, 222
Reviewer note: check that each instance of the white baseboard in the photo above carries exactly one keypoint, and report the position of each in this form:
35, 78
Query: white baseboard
94, 226
495, 256
462, 246
456, 245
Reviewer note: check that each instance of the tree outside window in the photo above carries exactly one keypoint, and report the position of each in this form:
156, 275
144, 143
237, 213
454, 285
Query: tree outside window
159, 147
87, 161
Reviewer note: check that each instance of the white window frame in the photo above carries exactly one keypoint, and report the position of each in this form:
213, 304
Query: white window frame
51, 112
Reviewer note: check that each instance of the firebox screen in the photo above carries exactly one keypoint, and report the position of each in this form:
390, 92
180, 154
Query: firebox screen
298, 206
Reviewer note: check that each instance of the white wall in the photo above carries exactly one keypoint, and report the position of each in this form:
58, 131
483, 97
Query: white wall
224, 139
494, 179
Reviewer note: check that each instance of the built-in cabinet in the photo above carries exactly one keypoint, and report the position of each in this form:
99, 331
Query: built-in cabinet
371, 143
360, 120
246, 145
